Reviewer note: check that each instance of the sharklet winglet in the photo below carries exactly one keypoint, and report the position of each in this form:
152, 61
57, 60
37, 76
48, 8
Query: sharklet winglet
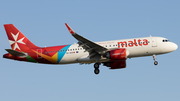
70, 29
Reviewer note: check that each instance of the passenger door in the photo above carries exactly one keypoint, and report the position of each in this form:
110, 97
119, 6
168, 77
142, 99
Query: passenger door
154, 42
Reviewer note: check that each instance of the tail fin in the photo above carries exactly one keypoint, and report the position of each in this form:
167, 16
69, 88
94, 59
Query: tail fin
17, 40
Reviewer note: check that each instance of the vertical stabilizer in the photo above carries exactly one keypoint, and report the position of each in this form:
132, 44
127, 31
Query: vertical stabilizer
17, 40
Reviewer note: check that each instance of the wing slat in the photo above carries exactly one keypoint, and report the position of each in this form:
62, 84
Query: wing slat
88, 45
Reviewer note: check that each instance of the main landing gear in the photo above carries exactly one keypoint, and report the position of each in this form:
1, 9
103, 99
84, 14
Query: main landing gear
96, 68
154, 58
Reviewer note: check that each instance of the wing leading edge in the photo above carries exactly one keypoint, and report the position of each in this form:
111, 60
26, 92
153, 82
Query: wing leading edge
88, 45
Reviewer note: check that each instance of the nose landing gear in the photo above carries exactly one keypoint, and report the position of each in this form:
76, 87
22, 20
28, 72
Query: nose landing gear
154, 58
96, 68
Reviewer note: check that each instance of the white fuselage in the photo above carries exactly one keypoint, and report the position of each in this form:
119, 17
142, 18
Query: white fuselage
136, 47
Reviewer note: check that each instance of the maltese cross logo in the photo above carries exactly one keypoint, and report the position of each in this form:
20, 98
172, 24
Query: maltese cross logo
16, 41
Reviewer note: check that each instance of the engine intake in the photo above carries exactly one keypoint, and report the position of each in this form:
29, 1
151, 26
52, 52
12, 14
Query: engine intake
117, 54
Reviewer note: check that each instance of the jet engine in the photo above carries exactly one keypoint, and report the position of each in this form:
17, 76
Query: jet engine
116, 64
117, 58
117, 54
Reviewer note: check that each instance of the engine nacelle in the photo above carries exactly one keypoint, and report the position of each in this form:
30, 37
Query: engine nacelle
116, 64
117, 54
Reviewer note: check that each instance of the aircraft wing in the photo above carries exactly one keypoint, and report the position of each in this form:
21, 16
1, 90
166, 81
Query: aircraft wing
15, 53
88, 45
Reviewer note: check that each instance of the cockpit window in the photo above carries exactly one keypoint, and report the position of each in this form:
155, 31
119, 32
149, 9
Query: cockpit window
165, 40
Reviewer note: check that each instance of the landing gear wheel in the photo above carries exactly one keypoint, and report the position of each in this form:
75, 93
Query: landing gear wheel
96, 71
96, 65
96, 68
155, 63
154, 58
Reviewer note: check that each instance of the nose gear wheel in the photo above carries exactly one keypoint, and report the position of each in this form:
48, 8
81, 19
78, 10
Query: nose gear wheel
154, 58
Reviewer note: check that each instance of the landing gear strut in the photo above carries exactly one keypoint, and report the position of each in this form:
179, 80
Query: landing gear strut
96, 68
154, 58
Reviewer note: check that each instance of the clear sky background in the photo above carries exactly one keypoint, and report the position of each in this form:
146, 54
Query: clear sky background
42, 21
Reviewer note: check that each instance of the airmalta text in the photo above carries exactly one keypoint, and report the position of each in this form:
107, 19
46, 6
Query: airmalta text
138, 42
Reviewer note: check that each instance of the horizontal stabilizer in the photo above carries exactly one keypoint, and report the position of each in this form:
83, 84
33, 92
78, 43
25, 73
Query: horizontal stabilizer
15, 53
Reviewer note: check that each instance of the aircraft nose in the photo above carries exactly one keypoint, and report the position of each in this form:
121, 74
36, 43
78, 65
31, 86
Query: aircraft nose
170, 47
174, 46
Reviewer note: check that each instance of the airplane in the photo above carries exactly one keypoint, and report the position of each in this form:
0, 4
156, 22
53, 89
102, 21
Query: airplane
112, 54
